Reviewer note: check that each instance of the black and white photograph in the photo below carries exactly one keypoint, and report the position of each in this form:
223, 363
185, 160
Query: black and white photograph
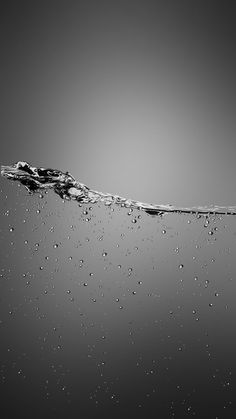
118, 209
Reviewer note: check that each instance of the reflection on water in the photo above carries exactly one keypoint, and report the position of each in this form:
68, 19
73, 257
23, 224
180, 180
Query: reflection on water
107, 311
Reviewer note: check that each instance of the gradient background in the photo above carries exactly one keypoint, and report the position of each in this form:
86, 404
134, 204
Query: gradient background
137, 99
134, 98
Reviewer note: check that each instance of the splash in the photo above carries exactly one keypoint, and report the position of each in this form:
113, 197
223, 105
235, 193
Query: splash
67, 187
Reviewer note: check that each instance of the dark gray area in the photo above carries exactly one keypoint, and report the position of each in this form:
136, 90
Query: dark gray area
106, 312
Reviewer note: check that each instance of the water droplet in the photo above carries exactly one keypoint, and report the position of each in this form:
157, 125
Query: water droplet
163, 231
55, 246
140, 282
117, 300
81, 261
70, 257
118, 266
11, 229
91, 274
134, 292
181, 266
210, 304
210, 232
104, 254
26, 241
38, 211
41, 268
216, 294
134, 221
85, 284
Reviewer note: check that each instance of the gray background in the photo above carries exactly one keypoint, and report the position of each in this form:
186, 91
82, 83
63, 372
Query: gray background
137, 99
134, 98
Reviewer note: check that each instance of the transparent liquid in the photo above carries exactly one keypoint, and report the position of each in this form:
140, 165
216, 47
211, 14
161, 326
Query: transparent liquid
105, 316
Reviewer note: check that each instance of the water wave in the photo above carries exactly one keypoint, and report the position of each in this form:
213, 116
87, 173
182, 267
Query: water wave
67, 187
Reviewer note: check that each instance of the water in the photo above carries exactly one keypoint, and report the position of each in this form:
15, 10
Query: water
108, 310
68, 188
